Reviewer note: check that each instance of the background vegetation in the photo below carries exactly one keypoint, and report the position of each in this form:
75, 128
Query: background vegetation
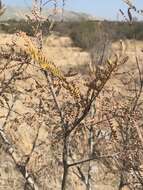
85, 34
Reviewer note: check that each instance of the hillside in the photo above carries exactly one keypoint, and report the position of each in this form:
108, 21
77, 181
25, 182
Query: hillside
18, 13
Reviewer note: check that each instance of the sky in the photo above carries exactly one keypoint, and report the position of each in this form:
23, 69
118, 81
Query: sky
107, 9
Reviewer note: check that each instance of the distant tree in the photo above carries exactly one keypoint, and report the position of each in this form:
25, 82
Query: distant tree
135, 19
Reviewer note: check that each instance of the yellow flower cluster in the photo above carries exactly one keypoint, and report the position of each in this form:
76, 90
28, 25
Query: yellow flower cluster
38, 57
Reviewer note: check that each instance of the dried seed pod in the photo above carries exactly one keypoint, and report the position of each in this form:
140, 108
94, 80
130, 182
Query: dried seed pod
45, 64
